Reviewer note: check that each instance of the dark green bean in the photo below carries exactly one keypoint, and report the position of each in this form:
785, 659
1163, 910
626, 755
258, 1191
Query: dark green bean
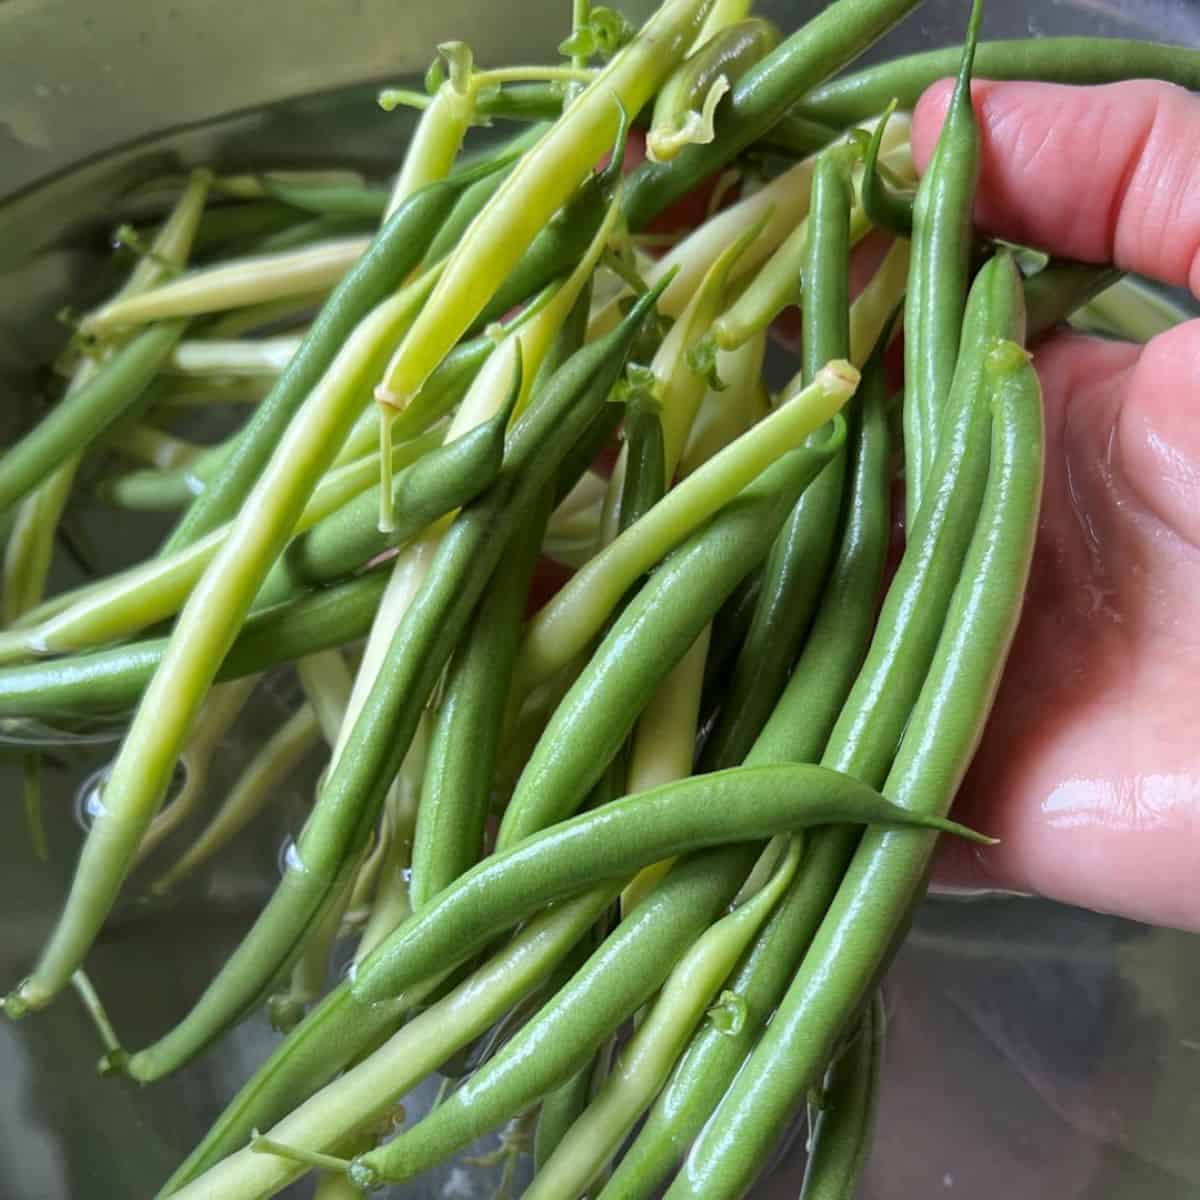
793, 134
224, 224
838, 34
1079, 60
800, 558
81, 415
886, 205
457, 784
1060, 288
888, 872
350, 797
797, 731
743, 804
938, 276
437, 483
396, 249
647, 640
107, 681
841, 1136
329, 199
305, 233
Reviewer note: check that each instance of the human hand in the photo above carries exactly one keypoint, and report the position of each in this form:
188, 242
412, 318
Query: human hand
1089, 770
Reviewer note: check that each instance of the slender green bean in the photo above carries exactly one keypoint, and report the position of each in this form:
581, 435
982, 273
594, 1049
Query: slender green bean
106, 681
841, 1137
938, 276
440, 481
799, 560
456, 791
1078, 60
328, 199
368, 1090
85, 412
477, 195
137, 597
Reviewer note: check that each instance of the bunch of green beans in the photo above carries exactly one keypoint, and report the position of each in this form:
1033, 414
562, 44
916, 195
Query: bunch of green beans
686, 781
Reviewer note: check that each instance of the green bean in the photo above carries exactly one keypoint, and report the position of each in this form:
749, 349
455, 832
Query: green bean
648, 639
84, 413
367, 1091
560, 245
647, 1058
112, 680
477, 195
841, 1137
30, 545
328, 199
799, 560
612, 841
565, 625
228, 225
507, 225
885, 205
938, 276
888, 871
839, 33
231, 285
308, 234
1060, 289
456, 792
351, 795
438, 482
1076, 60
165, 490
708, 72
256, 787
394, 251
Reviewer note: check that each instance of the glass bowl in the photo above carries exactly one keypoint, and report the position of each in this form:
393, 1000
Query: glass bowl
1034, 1051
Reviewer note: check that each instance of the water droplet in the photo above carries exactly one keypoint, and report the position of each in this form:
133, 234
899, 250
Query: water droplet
406, 875
89, 804
289, 857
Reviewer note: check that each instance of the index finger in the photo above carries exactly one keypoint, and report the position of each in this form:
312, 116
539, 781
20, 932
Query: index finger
1101, 174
